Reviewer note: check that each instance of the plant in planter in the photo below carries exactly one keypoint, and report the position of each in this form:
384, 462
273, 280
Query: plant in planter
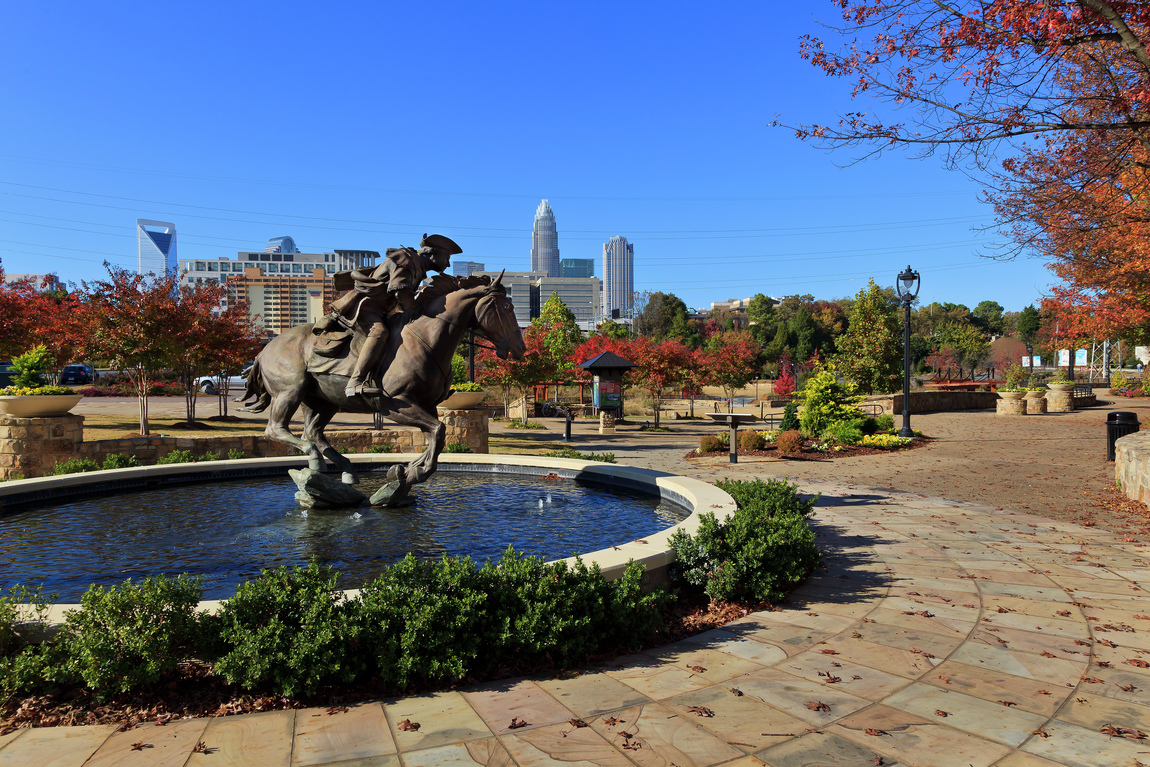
464, 395
1034, 390
1013, 387
30, 395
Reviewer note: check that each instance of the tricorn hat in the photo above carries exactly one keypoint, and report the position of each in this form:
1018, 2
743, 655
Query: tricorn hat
440, 244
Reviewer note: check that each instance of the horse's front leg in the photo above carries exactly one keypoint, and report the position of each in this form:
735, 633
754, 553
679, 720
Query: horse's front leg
434, 432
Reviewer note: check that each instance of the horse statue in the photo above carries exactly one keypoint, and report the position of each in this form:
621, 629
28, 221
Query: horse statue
414, 372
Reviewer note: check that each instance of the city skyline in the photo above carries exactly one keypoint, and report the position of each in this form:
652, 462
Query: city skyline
716, 201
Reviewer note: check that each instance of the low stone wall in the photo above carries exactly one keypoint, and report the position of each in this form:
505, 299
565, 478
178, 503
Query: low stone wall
1132, 465
30, 447
938, 401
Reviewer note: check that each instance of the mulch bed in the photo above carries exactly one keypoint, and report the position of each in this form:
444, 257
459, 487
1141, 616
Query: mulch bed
195, 692
849, 451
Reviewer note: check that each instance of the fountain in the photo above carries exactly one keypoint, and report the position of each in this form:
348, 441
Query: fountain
476, 505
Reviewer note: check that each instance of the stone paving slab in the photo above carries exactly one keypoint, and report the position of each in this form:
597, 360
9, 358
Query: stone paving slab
934, 633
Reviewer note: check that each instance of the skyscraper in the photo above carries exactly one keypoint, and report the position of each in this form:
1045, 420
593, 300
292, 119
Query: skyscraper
577, 267
155, 251
545, 242
618, 275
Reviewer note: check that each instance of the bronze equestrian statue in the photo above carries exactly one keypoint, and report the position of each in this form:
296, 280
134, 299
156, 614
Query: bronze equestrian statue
325, 373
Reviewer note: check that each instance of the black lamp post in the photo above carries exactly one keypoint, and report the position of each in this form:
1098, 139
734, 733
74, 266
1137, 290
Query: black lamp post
907, 286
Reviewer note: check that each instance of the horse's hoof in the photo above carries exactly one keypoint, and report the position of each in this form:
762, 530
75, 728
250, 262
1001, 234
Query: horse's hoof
349, 478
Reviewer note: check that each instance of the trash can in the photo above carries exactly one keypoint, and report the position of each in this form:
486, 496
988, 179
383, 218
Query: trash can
1118, 424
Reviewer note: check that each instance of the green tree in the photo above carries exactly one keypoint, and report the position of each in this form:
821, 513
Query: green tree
804, 335
561, 332
1029, 322
614, 330
988, 316
870, 351
761, 318
968, 343
658, 319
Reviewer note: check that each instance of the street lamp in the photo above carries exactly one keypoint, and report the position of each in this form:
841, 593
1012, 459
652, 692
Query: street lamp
907, 286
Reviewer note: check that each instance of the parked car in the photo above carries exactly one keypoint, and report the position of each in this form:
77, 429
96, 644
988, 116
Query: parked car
78, 374
235, 384
6, 373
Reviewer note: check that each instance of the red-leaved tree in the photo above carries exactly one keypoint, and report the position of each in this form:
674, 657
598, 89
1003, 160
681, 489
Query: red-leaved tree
134, 325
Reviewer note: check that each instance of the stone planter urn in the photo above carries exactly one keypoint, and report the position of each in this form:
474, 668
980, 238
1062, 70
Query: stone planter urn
1036, 394
37, 406
1011, 396
1068, 386
462, 400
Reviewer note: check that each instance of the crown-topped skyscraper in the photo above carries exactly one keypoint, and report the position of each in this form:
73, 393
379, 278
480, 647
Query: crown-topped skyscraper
545, 242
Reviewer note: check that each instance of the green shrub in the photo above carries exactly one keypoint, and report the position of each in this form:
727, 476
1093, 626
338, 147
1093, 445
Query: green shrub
567, 613
381, 449
445, 620
569, 452
236, 455
211, 455
466, 386
843, 433
709, 443
17, 475
120, 461
290, 630
515, 423
73, 466
883, 423
789, 442
457, 447
770, 436
1118, 380
427, 620
127, 636
790, 420
761, 550
751, 440
177, 456
346, 449
31, 366
458, 371
868, 425
26, 666
826, 401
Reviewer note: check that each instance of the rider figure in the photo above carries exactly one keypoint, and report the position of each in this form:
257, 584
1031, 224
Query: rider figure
378, 291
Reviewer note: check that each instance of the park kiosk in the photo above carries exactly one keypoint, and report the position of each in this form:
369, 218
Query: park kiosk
607, 370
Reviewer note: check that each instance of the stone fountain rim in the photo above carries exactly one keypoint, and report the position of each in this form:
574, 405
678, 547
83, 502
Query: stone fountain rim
653, 551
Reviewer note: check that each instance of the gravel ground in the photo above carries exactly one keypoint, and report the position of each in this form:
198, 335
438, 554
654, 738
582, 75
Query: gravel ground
1054, 465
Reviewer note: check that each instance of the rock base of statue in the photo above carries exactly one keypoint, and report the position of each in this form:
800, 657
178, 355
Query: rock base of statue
322, 491
394, 492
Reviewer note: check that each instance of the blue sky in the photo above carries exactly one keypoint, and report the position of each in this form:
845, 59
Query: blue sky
363, 125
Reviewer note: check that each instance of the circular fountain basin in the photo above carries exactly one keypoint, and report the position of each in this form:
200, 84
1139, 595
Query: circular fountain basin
517, 483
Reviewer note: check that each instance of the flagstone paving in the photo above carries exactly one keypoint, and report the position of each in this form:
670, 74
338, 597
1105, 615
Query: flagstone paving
936, 633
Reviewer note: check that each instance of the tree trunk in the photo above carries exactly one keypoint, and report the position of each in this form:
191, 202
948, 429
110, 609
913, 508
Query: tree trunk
142, 394
657, 402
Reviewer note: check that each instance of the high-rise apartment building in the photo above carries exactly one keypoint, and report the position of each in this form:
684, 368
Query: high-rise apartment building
466, 268
155, 251
545, 242
577, 267
281, 286
618, 275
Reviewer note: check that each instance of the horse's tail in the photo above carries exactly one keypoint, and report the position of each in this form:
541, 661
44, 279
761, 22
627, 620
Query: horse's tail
255, 388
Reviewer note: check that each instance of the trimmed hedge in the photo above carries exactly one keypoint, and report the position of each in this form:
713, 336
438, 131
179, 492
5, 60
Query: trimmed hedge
761, 551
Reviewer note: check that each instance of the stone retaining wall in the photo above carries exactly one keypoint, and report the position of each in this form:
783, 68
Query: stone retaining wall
938, 401
30, 447
1132, 465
